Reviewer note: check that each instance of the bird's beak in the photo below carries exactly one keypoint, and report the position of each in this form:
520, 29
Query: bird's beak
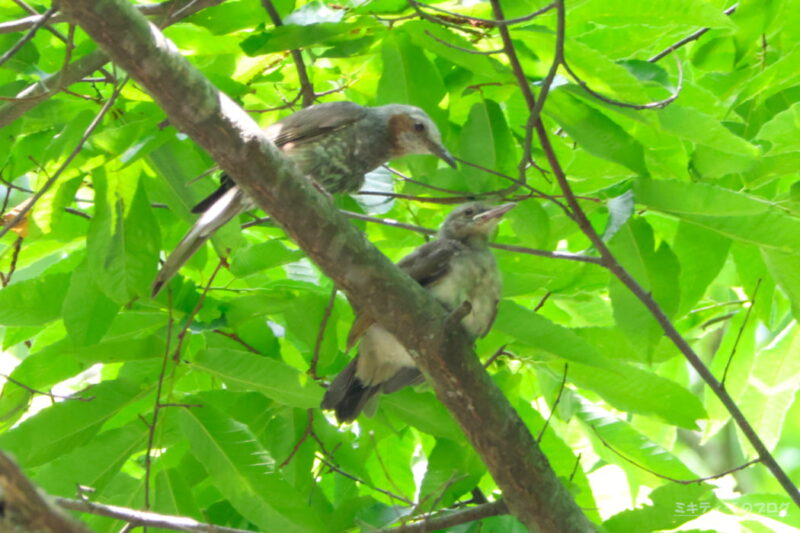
494, 213
441, 152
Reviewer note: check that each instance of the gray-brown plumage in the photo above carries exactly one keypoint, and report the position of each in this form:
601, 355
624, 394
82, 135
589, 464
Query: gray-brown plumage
455, 267
335, 144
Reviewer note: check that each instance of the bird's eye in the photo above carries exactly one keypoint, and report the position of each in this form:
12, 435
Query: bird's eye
419, 126
469, 212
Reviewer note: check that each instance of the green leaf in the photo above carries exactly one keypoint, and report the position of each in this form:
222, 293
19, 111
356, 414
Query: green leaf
774, 506
620, 209
531, 224
692, 125
94, 464
423, 411
639, 391
656, 270
33, 302
123, 241
634, 446
476, 64
773, 382
785, 270
732, 214
403, 65
672, 505
781, 131
485, 138
596, 133
293, 36
67, 424
88, 313
244, 472
534, 330
701, 254
274, 379
453, 469
616, 13
262, 256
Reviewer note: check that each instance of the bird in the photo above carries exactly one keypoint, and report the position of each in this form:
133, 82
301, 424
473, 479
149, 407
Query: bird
456, 267
334, 144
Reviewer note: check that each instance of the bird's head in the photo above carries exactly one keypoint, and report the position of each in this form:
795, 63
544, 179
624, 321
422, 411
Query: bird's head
413, 132
473, 221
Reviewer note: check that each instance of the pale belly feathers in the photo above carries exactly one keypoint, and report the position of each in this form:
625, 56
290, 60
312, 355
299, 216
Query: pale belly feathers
381, 355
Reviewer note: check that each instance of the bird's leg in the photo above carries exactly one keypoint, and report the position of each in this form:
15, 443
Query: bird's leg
456, 315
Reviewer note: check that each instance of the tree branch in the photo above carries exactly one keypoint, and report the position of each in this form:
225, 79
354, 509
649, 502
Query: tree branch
143, 518
451, 519
646, 298
43, 89
24, 507
374, 284
306, 88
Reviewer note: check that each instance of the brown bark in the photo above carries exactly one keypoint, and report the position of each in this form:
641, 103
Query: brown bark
530, 487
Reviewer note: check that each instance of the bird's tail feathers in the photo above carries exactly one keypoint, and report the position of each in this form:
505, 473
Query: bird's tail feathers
347, 396
220, 212
225, 184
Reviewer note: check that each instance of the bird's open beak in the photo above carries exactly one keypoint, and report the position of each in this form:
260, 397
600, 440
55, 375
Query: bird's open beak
494, 213
441, 152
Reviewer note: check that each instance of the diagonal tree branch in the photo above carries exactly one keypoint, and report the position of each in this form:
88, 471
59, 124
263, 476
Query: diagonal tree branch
45, 88
646, 298
25, 509
452, 519
530, 487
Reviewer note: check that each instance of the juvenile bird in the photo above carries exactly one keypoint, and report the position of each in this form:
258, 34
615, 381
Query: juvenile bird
456, 267
334, 144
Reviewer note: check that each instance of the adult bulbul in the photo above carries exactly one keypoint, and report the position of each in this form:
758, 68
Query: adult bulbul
456, 267
334, 144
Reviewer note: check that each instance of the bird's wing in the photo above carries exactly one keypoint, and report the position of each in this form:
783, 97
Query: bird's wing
301, 126
431, 261
426, 265
314, 121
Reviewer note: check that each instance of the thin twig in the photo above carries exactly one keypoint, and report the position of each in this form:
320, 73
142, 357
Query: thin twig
301, 440
234, 337
741, 330
575, 467
542, 301
496, 355
144, 518
28, 36
447, 519
52, 180
46, 393
461, 48
488, 22
341, 472
555, 404
534, 190
151, 426
176, 356
610, 262
660, 104
672, 479
306, 88
422, 199
6, 278
694, 36
507, 247
312, 368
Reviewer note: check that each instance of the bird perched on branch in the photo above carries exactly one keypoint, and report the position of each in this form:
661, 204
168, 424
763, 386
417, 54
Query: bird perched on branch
334, 144
456, 267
